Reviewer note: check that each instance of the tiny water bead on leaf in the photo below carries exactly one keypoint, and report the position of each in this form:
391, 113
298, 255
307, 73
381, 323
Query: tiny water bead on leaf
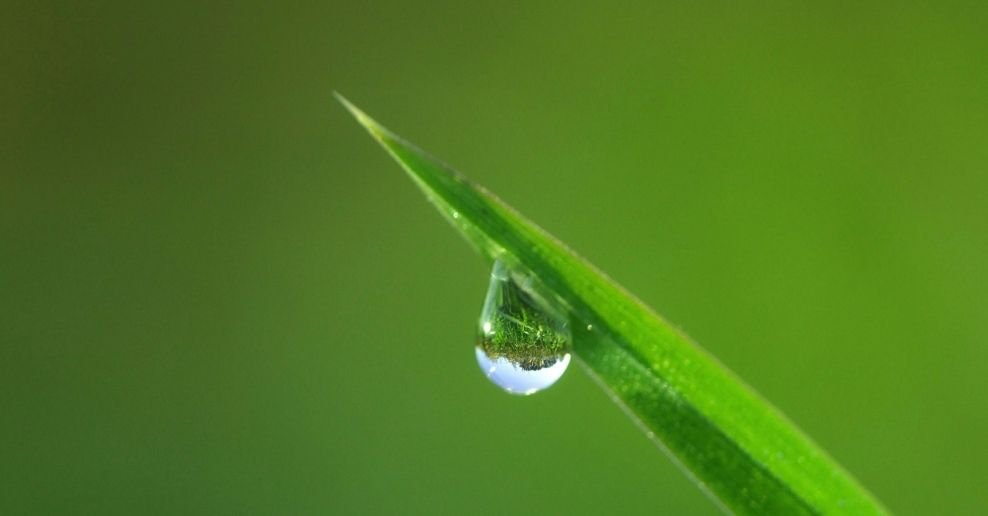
523, 343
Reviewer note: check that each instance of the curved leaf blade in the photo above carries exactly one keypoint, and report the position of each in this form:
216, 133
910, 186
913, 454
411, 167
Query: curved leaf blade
735, 445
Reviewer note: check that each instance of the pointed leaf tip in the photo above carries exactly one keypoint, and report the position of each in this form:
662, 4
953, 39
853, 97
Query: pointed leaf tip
375, 129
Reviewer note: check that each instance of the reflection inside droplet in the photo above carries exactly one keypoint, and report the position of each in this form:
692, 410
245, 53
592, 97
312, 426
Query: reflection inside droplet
518, 378
523, 343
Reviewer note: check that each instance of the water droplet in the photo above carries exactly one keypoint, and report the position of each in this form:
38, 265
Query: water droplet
523, 345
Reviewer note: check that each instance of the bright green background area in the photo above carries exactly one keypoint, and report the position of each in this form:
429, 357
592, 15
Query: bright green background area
220, 296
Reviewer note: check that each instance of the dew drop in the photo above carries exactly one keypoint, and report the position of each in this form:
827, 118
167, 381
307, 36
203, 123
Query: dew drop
523, 345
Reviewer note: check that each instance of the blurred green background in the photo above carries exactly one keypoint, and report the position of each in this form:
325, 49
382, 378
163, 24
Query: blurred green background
220, 296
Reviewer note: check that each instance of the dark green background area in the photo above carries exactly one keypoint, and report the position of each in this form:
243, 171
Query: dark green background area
219, 296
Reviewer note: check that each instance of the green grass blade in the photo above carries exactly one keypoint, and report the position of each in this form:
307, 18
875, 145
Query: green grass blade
736, 446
